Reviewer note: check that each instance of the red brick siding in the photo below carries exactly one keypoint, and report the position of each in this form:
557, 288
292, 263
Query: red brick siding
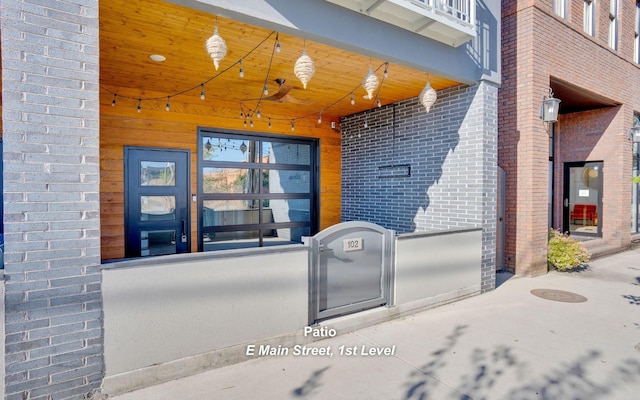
537, 45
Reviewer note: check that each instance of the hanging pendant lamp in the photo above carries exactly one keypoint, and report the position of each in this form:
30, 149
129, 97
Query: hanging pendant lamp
428, 96
216, 47
370, 83
304, 68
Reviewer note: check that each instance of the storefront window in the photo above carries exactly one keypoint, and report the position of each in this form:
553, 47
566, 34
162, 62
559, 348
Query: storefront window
583, 198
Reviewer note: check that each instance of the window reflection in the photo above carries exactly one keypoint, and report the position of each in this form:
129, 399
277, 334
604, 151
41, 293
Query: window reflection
156, 243
157, 173
232, 180
157, 208
288, 153
255, 191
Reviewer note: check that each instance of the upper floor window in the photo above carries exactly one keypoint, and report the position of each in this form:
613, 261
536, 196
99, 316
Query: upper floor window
636, 39
613, 24
560, 7
589, 16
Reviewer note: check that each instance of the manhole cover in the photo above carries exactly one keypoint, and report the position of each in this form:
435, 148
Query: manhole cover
558, 295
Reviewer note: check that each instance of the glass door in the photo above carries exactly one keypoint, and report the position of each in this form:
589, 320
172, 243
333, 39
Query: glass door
582, 208
156, 202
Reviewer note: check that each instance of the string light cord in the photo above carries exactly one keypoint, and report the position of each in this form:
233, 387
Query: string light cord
384, 64
246, 111
199, 85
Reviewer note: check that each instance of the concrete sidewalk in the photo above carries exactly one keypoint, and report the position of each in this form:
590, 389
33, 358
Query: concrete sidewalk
506, 344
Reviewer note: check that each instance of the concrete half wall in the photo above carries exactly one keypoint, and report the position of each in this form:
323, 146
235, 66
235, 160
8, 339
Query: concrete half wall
430, 266
156, 314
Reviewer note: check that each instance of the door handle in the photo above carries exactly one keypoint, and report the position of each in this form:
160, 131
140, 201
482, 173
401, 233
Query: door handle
566, 202
183, 237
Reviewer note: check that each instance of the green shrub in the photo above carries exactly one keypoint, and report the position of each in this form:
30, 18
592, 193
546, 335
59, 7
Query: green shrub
566, 253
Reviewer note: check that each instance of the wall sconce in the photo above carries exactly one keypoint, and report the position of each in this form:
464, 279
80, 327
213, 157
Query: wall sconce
548, 110
634, 132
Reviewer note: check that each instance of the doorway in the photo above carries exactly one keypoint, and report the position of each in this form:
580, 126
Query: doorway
156, 201
582, 207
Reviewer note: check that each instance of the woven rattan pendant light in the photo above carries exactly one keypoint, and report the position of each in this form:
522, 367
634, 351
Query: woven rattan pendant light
216, 47
304, 68
428, 96
370, 83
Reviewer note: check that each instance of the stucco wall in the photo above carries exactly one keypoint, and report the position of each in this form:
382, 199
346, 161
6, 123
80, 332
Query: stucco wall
429, 266
169, 310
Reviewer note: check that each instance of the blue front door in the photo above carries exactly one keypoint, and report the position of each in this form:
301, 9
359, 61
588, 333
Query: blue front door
156, 201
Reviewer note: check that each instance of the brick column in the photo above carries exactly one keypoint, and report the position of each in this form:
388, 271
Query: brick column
50, 79
488, 92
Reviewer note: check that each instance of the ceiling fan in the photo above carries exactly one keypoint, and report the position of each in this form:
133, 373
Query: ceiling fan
283, 96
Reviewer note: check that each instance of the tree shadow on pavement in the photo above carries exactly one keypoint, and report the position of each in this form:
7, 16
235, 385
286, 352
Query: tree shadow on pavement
572, 381
312, 383
420, 387
498, 374
633, 300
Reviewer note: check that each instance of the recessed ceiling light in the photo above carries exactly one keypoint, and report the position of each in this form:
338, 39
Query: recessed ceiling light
157, 57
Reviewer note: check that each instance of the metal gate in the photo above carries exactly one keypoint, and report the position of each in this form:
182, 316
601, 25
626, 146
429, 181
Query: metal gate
351, 266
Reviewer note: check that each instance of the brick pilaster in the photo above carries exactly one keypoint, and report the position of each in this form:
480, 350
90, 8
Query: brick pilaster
54, 341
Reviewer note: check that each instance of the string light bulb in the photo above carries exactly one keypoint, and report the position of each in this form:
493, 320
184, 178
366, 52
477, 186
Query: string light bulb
269, 122
379, 104
353, 100
266, 90
251, 122
113, 102
202, 92
139, 107
168, 106
241, 69
386, 70
293, 126
320, 118
277, 43
258, 113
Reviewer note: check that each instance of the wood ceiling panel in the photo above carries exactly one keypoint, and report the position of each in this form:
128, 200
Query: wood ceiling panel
130, 31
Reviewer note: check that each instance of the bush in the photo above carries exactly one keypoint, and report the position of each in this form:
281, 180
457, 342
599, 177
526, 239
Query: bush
566, 253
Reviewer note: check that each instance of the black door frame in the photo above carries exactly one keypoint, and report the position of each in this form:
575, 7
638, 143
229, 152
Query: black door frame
182, 222
566, 206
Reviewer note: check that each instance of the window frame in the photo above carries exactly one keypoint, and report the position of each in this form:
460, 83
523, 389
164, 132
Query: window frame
559, 7
613, 24
313, 195
588, 18
636, 39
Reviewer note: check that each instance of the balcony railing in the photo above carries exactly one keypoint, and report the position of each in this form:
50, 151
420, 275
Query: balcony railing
458, 9
448, 21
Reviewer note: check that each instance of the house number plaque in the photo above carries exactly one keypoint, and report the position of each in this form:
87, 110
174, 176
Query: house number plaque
352, 244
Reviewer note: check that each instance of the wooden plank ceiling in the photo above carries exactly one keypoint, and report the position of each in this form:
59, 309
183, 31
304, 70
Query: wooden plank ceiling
130, 31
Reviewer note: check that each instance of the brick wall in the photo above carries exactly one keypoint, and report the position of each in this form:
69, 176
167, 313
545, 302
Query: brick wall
452, 154
591, 136
539, 46
51, 183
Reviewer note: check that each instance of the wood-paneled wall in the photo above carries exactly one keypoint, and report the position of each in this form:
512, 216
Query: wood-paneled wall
121, 125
